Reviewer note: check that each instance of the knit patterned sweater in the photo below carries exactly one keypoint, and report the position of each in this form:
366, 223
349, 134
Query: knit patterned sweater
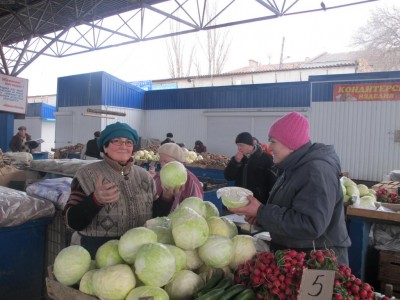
134, 207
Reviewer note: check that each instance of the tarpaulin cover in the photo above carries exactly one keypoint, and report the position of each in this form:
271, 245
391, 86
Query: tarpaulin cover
17, 207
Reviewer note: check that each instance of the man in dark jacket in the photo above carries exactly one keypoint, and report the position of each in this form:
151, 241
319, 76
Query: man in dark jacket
251, 168
168, 139
92, 150
19, 142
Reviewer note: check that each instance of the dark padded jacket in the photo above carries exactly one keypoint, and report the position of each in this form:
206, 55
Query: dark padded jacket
306, 203
92, 149
254, 173
16, 143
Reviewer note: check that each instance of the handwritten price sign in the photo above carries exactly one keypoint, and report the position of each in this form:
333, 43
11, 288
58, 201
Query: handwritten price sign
316, 284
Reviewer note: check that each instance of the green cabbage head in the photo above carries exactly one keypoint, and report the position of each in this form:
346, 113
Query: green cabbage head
211, 209
86, 283
180, 257
154, 264
114, 282
222, 226
243, 249
189, 229
195, 203
183, 285
217, 252
233, 196
71, 264
132, 240
173, 175
147, 291
193, 260
108, 255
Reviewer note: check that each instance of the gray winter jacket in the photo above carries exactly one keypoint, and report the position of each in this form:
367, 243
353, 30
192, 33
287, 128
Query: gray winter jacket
306, 202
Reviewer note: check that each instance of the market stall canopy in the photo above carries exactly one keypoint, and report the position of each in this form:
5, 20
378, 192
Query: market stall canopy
30, 28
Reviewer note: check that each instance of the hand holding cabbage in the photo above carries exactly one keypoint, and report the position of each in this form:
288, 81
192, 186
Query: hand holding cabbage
169, 192
249, 211
173, 177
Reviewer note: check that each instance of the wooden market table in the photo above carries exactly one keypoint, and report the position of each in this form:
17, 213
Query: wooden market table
359, 227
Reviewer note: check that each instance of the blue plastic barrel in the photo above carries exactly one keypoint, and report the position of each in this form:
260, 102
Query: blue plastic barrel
22, 257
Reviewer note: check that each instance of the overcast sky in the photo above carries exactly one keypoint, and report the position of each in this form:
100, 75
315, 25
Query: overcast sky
306, 35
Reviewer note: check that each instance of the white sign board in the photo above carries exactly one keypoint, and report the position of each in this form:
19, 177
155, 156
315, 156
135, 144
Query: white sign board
13, 94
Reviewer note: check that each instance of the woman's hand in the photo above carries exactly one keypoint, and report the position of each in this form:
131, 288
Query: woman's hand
169, 193
249, 211
105, 192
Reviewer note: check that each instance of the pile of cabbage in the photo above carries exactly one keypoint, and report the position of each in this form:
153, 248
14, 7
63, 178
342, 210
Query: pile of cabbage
191, 156
168, 258
359, 195
146, 156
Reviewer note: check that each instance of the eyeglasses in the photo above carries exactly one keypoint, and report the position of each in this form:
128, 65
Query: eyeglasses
118, 142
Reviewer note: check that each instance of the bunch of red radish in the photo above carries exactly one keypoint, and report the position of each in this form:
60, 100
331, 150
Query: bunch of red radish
277, 276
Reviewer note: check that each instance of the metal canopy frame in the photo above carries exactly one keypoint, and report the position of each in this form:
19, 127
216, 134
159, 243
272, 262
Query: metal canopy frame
30, 28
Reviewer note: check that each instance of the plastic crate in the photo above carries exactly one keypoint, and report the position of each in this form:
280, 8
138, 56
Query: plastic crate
22, 263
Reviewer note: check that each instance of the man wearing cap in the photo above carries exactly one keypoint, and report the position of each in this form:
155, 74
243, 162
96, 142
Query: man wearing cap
19, 141
109, 196
305, 209
251, 168
166, 200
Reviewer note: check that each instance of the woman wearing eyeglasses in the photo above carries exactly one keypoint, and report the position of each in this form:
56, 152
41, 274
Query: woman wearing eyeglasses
111, 196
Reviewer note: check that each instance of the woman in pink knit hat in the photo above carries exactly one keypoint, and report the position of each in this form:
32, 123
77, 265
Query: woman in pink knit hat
305, 208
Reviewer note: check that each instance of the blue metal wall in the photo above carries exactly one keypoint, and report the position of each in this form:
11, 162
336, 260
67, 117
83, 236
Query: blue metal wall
294, 94
99, 88
6, 129
322, 86
42, 110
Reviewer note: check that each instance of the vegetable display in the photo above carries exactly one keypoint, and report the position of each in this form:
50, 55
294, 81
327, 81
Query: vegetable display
278, 275
204, 259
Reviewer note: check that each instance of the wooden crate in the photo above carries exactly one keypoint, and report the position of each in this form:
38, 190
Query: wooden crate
389, 267
389, 270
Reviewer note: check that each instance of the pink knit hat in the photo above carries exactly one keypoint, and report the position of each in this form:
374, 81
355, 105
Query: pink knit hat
292, 130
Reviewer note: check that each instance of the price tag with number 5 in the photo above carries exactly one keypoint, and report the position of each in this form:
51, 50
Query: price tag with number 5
316, 284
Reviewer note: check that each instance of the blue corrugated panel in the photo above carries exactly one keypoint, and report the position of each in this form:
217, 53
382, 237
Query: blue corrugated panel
79, 90
7, 129
42, 110
95, 89
294, 94
117, 92
34, 110
48, 111
322, 86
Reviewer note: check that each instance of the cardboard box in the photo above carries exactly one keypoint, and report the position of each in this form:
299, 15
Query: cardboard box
10, 174
390, 186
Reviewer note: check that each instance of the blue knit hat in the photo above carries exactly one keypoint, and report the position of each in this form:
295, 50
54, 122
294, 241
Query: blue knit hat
116, 130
